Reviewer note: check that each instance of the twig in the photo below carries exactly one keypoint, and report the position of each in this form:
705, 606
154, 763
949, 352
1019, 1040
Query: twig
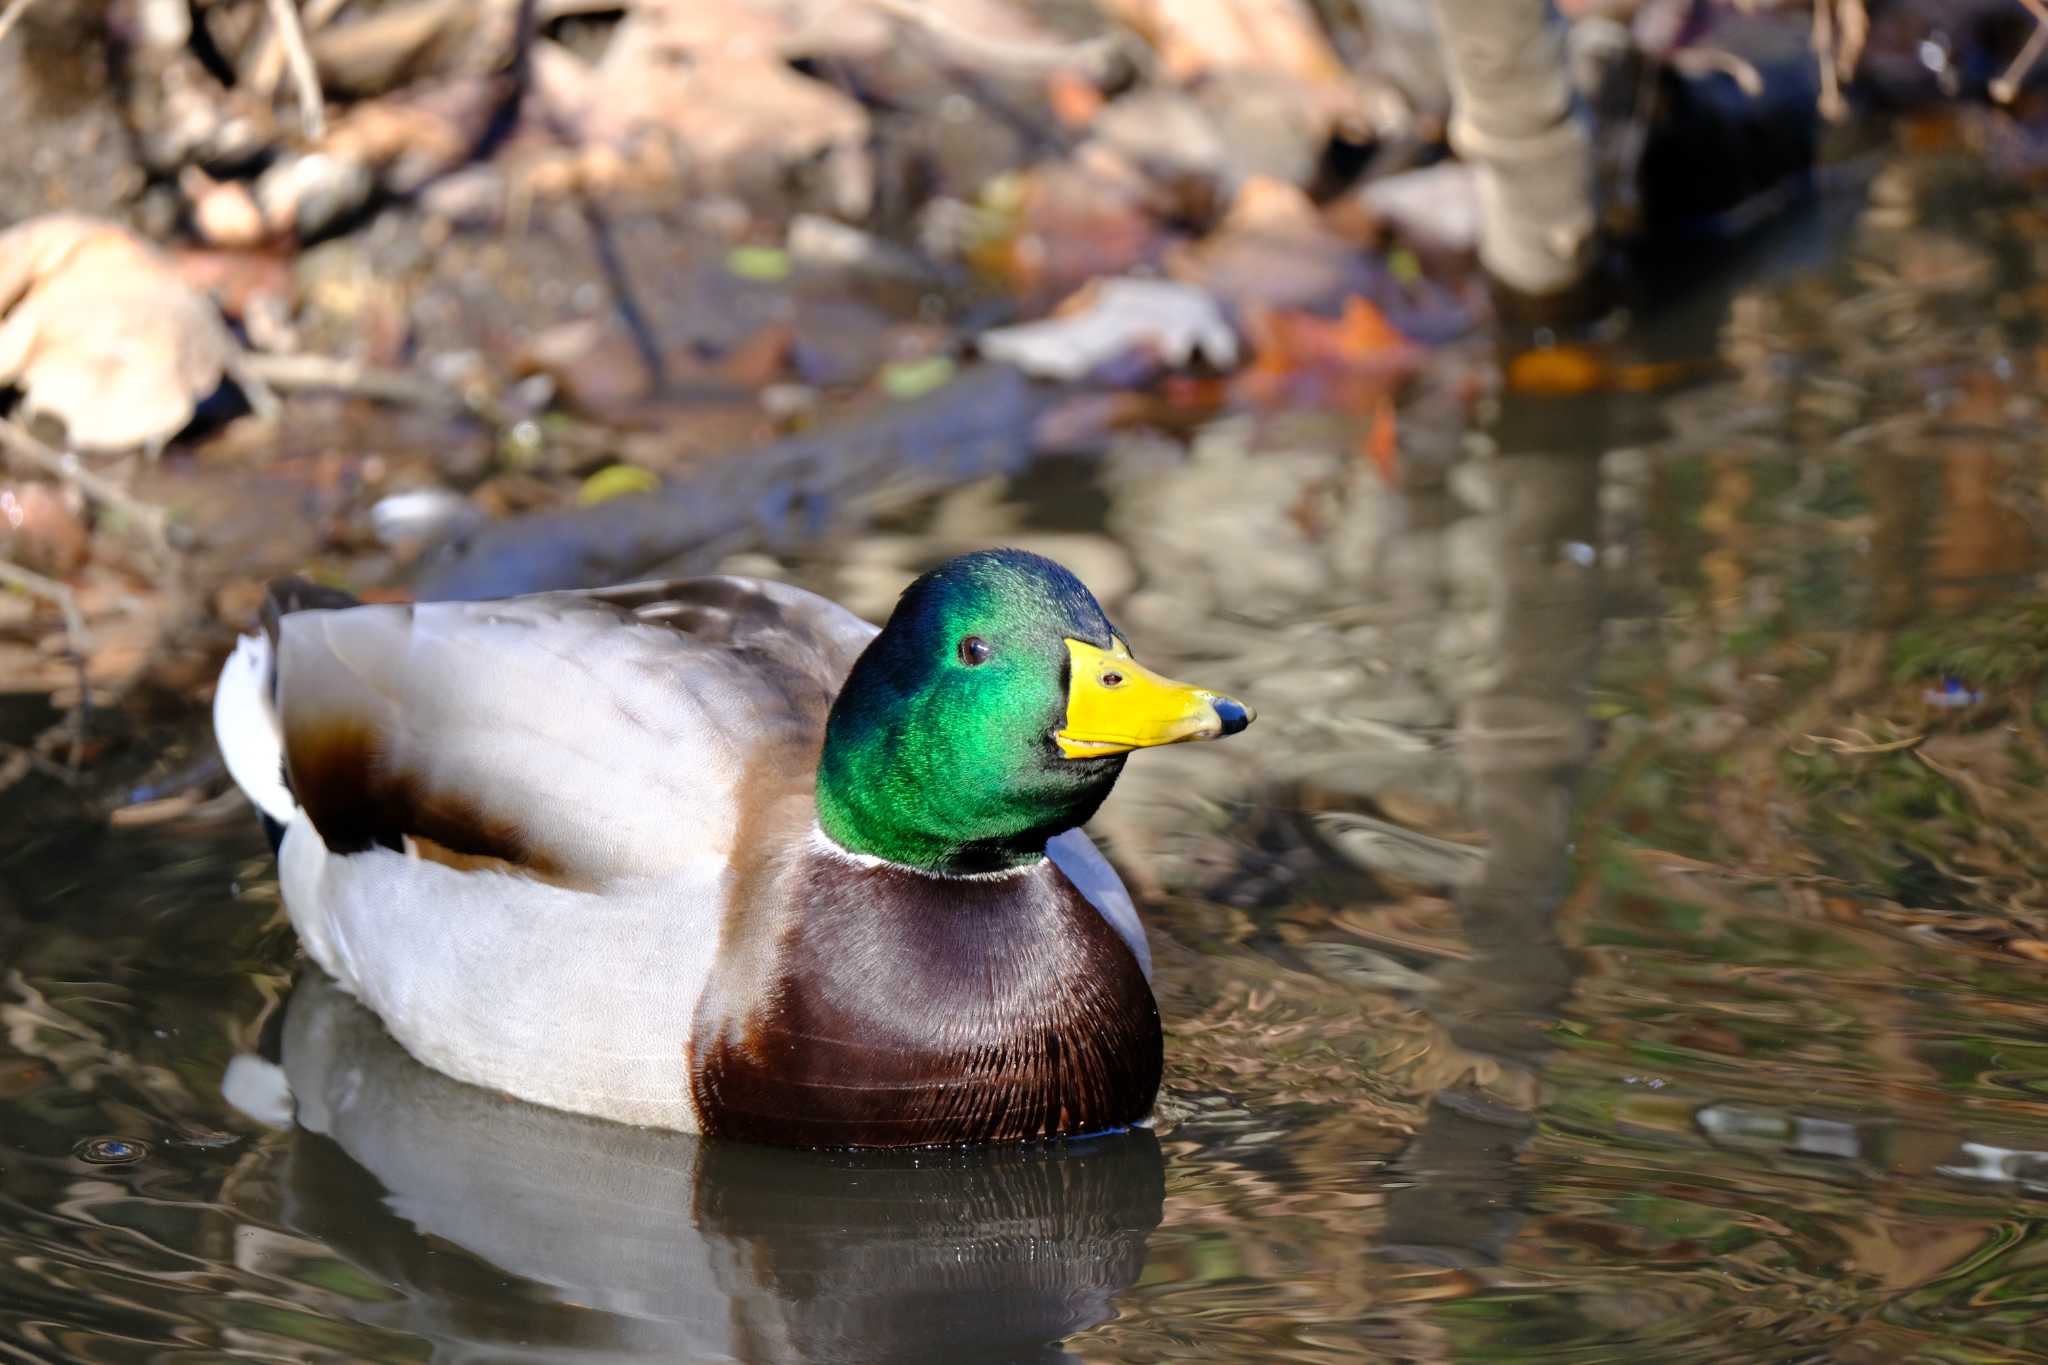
2005, 87
262, 400
155, 520
25, 760
10, 16
268, 65
50, 590
305, 76
296, 372
300, 372
1840, 28
1707, 61
1867, 746
77, 640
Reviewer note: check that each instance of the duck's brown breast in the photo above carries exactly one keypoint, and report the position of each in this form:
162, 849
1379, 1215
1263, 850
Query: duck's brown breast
906, 1010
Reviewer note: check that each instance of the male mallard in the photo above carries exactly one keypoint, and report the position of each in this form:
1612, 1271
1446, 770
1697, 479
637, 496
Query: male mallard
717, 856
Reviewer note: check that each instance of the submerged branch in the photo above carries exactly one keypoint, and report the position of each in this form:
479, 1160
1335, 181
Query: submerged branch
154, 520
50, 590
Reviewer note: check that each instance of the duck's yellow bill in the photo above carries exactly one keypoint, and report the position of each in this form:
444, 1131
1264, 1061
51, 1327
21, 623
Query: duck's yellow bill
1116, 704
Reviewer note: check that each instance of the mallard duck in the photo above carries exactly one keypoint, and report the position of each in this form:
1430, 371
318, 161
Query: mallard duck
716, 855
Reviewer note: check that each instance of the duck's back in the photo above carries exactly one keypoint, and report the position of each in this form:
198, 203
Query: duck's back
584, 738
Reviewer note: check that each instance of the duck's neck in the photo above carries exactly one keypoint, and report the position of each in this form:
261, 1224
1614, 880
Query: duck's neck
870, 826
887, 792
831, 849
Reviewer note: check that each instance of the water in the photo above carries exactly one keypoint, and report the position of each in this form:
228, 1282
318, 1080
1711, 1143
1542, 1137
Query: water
1624, 935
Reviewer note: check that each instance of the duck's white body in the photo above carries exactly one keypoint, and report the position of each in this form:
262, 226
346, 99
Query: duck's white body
543, 817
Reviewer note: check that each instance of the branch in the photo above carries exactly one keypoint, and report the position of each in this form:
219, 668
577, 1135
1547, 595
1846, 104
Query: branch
299, 372
312, 111
2005, 87
50, 590
154, 519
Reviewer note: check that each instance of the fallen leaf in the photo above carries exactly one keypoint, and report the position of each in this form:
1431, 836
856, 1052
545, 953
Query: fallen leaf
102, 332
1558, 371
1197, 37
41, 530
906, 379
1112, 318
1354, 359
1073, 98
1052, 228
594, 364
711, 80
1273, 250
395, 45
1267, 205
759, 360
616, 481
766, 263
1383, 441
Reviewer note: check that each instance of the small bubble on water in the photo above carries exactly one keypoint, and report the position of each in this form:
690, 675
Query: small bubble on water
111, 1151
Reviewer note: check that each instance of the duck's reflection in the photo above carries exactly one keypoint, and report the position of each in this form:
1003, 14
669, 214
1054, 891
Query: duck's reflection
685, 1249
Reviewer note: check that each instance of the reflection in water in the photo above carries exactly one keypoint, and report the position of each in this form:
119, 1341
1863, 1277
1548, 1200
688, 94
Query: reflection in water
691, 1250
1625, 939
1523, 741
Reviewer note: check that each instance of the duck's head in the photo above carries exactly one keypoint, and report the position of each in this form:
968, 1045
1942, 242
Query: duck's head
992, 712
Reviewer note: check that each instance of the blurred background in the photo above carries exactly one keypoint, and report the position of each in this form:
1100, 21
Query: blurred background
1601, 438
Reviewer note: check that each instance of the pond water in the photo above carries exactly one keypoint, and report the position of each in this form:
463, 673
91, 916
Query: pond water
1625, 934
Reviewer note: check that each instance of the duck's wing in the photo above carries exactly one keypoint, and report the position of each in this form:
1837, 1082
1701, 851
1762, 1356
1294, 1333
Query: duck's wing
1075, 854
579, 737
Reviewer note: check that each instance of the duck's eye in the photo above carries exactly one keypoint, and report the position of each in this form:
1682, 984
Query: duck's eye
974, 650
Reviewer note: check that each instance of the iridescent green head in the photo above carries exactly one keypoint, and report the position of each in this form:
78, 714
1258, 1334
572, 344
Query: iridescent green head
992, 712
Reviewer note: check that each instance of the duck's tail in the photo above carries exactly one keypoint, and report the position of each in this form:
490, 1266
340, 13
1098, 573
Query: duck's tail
245, 719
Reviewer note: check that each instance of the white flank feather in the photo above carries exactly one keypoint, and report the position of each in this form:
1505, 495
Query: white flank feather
245, 723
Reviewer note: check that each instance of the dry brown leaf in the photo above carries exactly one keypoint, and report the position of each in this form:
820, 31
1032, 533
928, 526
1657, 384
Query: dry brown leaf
1354, 360
711, 80
393, 46
1196, 37
102, 333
